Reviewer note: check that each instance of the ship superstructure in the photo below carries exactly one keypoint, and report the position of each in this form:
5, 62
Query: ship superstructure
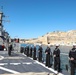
4, 36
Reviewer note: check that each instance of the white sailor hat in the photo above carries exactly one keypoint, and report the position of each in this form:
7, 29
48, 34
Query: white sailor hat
49, 45
39, 44
57, 44
74, 44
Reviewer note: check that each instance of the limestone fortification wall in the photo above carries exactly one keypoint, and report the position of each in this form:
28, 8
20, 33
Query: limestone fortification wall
63, 38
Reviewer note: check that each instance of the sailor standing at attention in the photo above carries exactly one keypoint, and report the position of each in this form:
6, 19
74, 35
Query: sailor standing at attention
34, 52
30, 51
10, 49
72, 59
40, 53
48, 53
27, 50
56, 54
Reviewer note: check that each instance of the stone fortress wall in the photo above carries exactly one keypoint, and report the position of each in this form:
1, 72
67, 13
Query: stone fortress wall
62, 38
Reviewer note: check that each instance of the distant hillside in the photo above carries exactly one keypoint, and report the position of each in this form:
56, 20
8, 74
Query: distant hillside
63, 38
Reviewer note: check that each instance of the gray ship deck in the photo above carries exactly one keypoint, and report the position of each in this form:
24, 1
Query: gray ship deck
19, 63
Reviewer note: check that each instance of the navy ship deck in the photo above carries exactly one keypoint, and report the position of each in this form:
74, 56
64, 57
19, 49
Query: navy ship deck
20, 63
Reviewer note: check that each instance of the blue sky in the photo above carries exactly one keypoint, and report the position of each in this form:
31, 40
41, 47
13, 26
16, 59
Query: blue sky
34, 18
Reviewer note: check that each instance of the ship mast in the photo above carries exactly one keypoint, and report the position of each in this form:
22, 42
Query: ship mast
3, 34
1, 26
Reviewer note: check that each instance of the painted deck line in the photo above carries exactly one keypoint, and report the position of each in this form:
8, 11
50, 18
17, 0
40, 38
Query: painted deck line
1, 57
27, 63
3, 64
49, 68
9, 70
52, 70
14, 58
31, 73
15, 63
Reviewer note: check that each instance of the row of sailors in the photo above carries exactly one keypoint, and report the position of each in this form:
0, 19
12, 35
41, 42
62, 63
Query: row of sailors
49, 55
56, 55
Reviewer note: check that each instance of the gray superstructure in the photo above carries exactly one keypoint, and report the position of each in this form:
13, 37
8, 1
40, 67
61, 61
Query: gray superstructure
4, 36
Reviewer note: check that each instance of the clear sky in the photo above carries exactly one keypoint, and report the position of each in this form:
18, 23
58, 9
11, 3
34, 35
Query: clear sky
34, 18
